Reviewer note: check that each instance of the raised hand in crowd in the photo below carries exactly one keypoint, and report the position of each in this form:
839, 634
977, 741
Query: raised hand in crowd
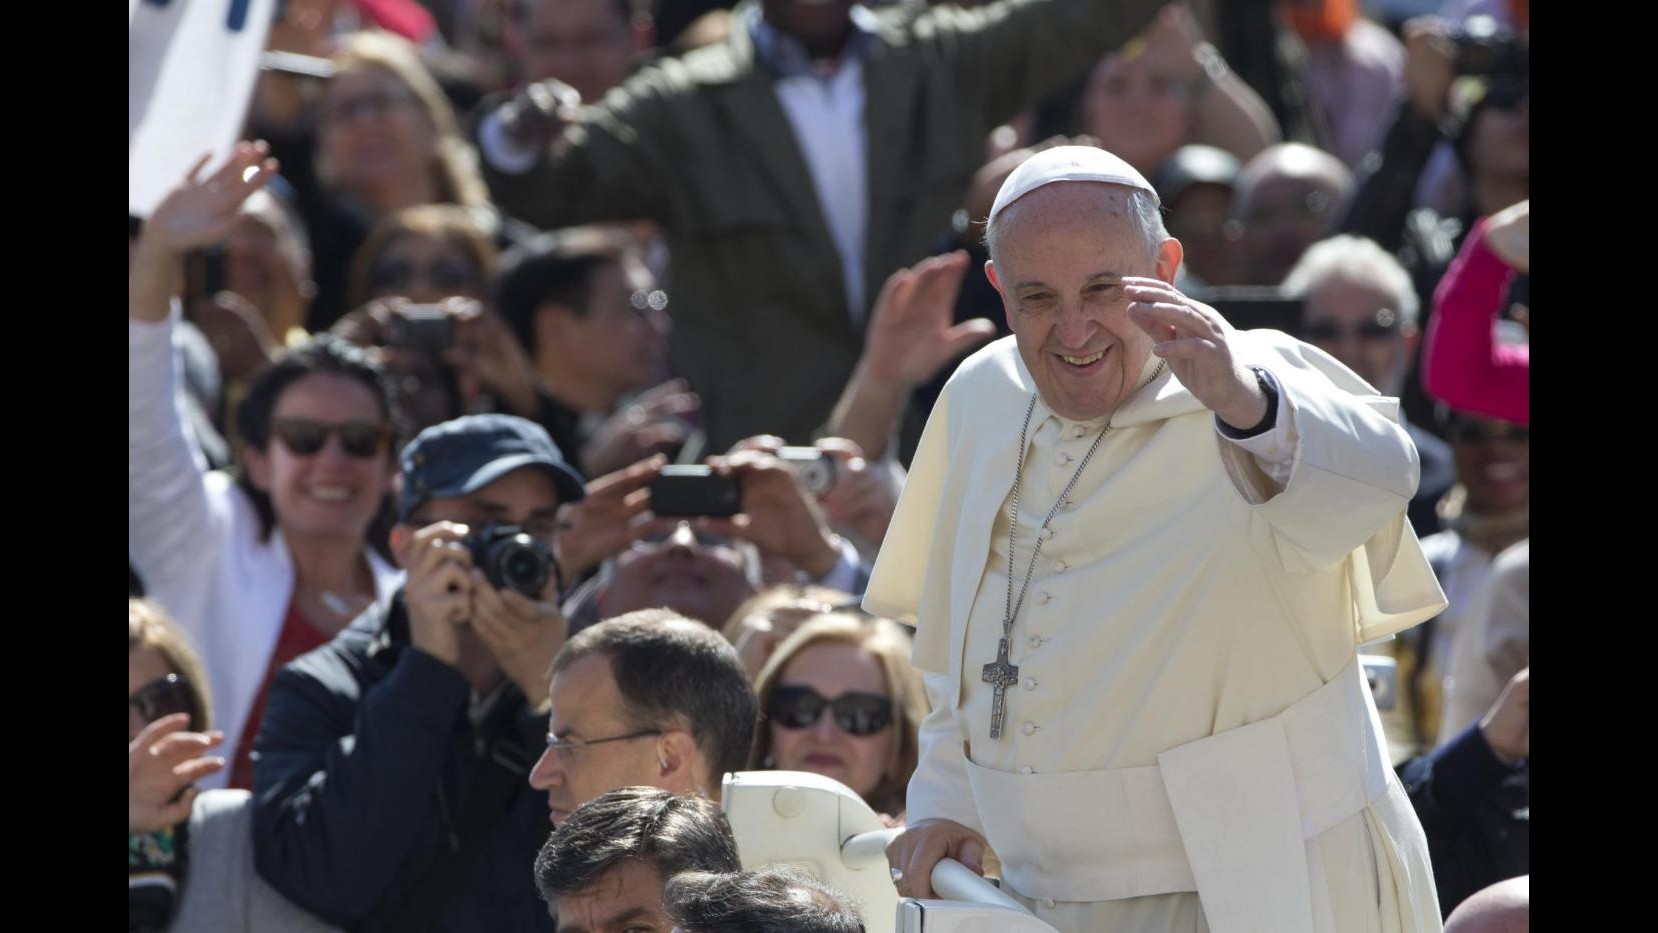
537, 114
778, 515
163, 762
1430, 66
611, 517
655, 422
861, 502
912, 335
197, 213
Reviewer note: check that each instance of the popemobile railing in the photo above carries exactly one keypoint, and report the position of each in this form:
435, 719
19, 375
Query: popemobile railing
821, 825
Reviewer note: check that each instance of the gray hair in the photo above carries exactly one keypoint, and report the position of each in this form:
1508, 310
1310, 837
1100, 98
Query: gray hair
1148, 221
1358, 260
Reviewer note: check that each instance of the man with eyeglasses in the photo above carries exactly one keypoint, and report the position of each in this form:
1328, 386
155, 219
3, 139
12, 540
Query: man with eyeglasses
1360, 306
389, 772
648, 698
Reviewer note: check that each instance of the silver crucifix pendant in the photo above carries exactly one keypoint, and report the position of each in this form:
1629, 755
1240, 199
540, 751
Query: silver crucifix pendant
1000, 675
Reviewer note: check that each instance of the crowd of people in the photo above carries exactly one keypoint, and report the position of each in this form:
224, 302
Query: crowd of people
517, 416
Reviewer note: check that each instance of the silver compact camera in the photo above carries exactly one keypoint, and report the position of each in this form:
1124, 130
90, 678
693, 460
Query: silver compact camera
812, 465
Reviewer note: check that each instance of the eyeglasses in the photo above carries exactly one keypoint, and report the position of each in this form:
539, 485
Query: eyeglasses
1383, 326
380, 104
860, 714
1467, 431
566, 750
445, 275
305, 438
164, 697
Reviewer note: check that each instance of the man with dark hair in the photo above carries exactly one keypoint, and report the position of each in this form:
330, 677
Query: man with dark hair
587, 311
389, 771
778, 899
588, 44
648, 698
603, 868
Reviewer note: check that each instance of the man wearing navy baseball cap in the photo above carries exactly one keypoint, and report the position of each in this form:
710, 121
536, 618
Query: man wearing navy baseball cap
391, 768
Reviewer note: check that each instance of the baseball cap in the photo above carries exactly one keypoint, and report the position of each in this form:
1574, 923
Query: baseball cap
463, 455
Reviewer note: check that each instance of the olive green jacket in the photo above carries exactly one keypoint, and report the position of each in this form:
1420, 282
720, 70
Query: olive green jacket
701, 145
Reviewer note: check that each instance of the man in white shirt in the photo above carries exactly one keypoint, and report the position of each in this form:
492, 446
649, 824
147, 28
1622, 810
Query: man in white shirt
792, 168
1139, 627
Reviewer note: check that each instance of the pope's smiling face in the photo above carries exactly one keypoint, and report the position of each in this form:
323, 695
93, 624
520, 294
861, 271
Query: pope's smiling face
1062, 252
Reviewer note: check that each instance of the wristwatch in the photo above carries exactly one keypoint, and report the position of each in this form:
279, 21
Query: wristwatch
1269, 386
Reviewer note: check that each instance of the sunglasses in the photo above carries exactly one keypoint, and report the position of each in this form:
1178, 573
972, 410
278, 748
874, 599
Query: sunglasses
164, 697
443, 275
305, 438
1382, 327
1473, 432
859, 714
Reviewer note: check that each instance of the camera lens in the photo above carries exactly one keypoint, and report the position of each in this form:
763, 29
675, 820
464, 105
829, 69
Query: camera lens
519, 562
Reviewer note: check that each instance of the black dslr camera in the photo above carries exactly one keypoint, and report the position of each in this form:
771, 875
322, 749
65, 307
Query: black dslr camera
1485, 48
512, 559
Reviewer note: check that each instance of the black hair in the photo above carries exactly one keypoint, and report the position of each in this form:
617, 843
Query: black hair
324, 353
778, 899
673, 832
666, 673
553, 268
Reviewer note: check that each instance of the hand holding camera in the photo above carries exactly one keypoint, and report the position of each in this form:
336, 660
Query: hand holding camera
515, 589
603, 523
778, 514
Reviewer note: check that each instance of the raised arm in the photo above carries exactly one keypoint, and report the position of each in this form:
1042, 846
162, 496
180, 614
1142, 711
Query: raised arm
169, 516
1462, 363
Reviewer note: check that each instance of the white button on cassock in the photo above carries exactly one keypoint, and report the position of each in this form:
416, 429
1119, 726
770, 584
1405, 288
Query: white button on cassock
1030, 727
1030, 683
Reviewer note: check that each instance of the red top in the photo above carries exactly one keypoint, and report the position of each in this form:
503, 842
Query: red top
1462, 363
298, 636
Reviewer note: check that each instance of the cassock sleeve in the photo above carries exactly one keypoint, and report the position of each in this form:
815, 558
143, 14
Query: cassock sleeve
1353, 473
939, 786
896, 583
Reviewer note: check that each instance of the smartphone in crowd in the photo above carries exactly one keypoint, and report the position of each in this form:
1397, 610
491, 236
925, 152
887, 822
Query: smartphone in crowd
688, 490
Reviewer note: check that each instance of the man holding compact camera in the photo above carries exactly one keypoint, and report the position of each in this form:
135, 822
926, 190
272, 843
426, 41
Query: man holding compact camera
390, 772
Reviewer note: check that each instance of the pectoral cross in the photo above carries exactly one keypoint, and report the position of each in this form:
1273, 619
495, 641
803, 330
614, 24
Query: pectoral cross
1000, 675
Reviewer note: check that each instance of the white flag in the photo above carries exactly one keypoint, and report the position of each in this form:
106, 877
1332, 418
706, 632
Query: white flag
191, 65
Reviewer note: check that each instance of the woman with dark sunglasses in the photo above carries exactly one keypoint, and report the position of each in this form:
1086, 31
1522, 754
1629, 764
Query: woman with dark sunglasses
189, 852
840, 699
262, 567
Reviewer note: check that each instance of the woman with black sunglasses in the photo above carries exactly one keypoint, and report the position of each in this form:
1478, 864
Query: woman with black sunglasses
189, 852
840, 699
266, 566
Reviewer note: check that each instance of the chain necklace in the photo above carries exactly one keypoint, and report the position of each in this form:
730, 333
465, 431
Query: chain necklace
1002, 673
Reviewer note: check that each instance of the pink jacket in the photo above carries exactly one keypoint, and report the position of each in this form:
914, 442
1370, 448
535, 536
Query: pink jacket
1462, 364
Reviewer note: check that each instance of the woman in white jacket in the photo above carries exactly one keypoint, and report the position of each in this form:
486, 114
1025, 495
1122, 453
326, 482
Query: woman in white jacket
263, 567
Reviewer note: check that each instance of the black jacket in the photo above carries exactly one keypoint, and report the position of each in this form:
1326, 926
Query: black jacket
363, 770
1476, 813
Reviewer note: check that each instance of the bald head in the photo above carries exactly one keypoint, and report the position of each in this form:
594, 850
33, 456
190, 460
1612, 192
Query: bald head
1287, 198
1504, 907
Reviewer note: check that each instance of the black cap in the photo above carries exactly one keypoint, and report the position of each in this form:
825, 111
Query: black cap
1194, 165
466, 454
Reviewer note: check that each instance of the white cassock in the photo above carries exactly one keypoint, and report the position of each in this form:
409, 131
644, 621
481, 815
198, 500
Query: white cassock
1190, 724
